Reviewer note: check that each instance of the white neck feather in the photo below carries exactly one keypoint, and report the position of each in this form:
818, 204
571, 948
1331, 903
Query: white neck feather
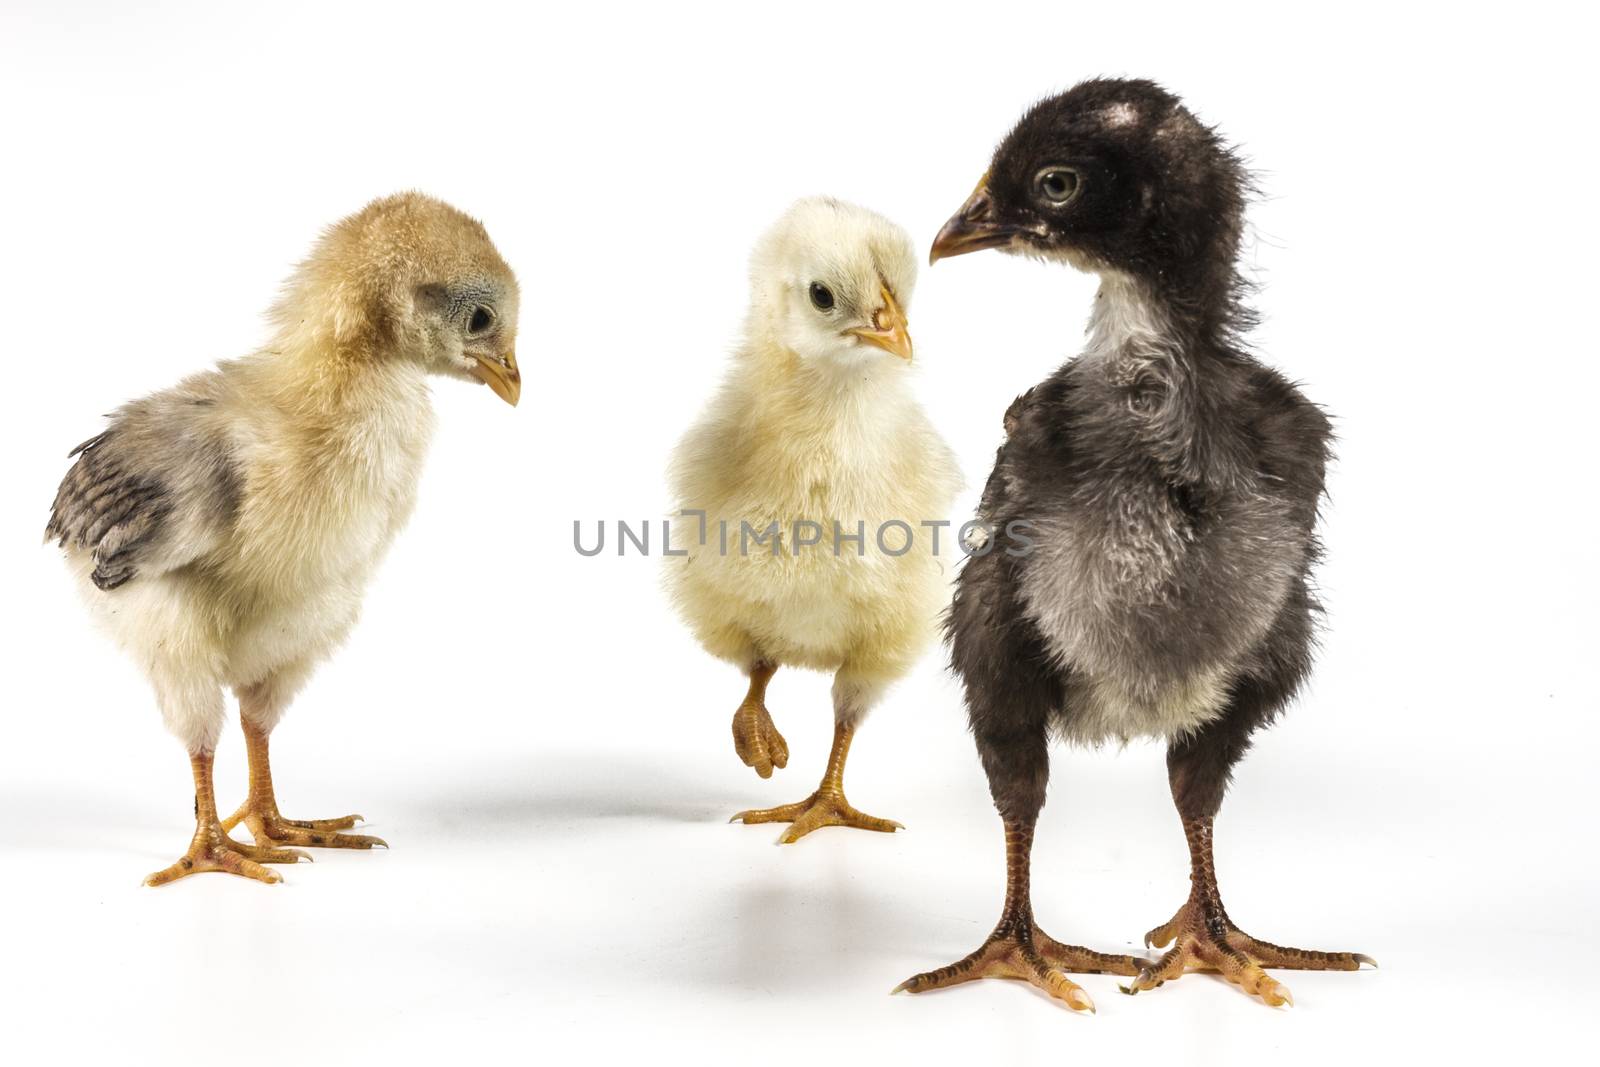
1125, 320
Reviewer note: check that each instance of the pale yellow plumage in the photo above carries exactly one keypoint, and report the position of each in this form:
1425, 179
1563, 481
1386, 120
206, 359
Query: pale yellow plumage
812, 425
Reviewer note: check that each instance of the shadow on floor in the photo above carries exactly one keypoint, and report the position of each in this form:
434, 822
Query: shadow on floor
576, 787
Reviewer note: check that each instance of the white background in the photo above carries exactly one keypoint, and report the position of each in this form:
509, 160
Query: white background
548, 751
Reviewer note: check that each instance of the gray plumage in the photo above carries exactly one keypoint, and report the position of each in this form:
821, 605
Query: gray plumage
1171, 480
154, 489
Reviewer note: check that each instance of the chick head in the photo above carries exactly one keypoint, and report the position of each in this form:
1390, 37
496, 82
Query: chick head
1113, 174
831, 283
411, 278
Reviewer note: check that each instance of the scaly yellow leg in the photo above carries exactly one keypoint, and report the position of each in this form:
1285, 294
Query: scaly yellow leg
212, 849
259, 812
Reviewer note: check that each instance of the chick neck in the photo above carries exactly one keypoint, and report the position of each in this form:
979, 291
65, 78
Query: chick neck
335, 372
832, 391
1173, 368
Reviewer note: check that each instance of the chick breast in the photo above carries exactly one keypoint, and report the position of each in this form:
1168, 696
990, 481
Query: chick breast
816, 605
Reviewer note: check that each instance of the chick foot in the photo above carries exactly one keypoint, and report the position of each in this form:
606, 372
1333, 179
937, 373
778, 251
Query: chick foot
259, 812
827, 806
755, 738
211, 849
820, 809
1018, 951
1203, 938
270, 828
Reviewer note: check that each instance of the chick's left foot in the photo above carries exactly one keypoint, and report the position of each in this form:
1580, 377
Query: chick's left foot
1205, 939
822, 808
268, 827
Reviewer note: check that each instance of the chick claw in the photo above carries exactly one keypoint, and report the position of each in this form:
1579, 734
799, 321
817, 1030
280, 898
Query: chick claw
1213, 943
270, 828
1032, 957
822, 808
757, 740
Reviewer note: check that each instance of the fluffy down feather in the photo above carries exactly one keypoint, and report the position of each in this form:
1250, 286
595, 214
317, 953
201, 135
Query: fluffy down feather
811, 426
224, 530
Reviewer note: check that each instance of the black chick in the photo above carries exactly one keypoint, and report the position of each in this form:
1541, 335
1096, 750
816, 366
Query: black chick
1171, 482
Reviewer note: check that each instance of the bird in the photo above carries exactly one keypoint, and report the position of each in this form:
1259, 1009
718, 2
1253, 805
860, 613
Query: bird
808, 477
224, 530
1170, 482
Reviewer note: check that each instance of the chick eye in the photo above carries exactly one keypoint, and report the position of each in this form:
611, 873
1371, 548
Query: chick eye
821, 297
1057, 185
482, 319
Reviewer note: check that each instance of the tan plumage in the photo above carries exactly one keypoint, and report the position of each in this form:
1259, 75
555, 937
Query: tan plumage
816, 423
224, 530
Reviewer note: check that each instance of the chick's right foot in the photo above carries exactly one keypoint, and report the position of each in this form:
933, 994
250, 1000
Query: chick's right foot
757, 740
1019, 952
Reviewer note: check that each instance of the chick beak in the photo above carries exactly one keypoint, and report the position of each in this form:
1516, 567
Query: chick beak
500, 374
888, 330
972, 228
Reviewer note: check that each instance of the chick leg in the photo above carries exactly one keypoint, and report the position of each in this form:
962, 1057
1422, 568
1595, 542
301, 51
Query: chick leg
855, 689
1202, 936
211, 848
259, 812
755, 738
1017, 761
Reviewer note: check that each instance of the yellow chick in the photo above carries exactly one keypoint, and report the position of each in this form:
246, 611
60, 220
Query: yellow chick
810, 491
224, 530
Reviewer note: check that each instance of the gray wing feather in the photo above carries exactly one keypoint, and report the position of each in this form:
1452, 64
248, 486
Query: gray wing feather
150, 493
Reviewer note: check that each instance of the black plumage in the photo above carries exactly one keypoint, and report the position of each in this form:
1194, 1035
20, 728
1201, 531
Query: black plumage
1172, 483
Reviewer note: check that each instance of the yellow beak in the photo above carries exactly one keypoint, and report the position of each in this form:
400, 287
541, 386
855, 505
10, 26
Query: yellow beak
501, 375
888, 329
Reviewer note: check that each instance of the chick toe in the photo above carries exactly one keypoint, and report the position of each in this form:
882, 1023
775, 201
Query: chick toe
757, 741
1205, 939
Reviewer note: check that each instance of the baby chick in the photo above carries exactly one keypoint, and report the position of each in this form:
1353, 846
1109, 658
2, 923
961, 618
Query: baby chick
224, 530
1172, 482
807, 477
